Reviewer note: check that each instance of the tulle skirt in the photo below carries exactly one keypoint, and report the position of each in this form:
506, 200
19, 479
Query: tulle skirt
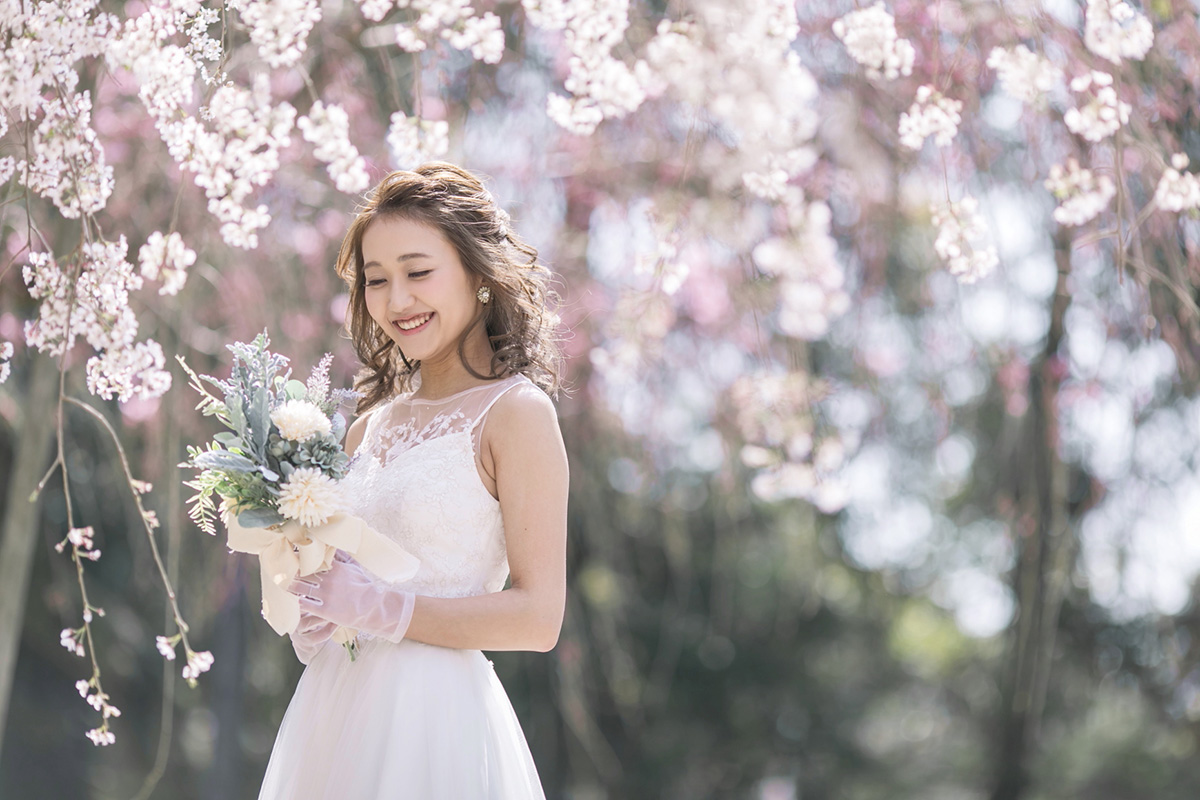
404, 721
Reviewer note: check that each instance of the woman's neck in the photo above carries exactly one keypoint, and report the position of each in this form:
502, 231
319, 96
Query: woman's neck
447, 374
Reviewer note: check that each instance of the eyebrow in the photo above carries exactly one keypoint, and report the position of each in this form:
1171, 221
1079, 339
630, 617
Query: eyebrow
399, 259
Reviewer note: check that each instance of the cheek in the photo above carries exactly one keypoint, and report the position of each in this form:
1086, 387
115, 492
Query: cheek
376, 305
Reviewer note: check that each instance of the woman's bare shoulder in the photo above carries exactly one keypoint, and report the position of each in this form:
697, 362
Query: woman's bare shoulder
358, 429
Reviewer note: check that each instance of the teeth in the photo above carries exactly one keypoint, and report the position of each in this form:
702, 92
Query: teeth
414, 322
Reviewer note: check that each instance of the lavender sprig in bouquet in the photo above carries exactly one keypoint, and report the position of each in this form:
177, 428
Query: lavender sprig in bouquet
276, 471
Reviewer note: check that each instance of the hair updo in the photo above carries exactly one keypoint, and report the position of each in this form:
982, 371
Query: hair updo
520, 326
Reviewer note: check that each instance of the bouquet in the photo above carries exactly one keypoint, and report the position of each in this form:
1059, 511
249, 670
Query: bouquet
276, 472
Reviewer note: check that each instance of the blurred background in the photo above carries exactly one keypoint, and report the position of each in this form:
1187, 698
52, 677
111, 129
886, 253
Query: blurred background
925, 540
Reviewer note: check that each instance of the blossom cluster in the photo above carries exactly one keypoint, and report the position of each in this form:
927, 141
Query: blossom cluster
600, 85
197, 664
280, 28
1104, 112
166, 257
1081, 195
1113, 30
810, 280
451, 20
1178, 190
961, 230
68, 165
6, 353
735, 60
775, 417
99, 700
328, 127
1024, 74
932, 114
870, 37
91, 298
82, 540
413, 141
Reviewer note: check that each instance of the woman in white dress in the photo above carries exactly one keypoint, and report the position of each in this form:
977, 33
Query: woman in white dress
457, 456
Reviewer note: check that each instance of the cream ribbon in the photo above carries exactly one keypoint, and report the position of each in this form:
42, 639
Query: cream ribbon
289, 550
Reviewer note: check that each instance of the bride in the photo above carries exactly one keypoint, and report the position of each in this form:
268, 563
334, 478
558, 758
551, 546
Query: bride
457, 456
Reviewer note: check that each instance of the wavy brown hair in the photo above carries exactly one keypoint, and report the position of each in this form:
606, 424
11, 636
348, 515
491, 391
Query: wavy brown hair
521, 327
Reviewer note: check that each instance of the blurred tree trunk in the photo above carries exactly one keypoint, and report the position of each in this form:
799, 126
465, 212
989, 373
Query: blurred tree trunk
1044, 545
229, 638
33, 427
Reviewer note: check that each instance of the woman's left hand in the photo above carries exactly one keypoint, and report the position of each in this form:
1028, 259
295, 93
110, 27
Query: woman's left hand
349, 596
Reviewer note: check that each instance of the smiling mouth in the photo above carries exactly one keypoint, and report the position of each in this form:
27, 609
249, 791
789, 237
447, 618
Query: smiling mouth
412, 323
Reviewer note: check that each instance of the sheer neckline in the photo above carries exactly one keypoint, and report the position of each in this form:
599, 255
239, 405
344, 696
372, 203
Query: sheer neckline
431, 401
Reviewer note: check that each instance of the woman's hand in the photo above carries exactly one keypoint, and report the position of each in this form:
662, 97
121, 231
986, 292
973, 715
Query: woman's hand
310, 636
348, 596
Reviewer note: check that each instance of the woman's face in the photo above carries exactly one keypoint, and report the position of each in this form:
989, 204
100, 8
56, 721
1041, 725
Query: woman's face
417, 289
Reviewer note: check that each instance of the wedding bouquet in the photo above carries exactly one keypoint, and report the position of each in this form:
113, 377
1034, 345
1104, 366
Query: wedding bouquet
276, 472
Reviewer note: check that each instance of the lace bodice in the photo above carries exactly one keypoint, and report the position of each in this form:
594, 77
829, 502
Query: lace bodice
414, 479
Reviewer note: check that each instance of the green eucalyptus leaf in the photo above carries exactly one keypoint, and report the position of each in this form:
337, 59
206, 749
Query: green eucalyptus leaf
295, 390
259, 518
224, 460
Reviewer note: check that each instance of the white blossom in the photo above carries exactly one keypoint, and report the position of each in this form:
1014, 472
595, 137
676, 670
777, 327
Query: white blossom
961, 230
1114, 31
870, 37
68, 165
735, 60
1178, 190
166, 257
600, 85
166, 647
101, 737
240, 152
483, 36
300, 420
6, 353
280, 28
1103, 114
811, 281
328, 127
198, 663
1081, 195
933, 114
413, 141
309, 496
1024, 74
71, 639
123, 372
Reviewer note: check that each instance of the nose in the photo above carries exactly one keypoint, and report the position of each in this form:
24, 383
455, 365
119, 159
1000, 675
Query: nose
399, 298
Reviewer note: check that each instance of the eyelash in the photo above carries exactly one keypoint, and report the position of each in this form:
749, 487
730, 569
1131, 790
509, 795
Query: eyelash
377, 281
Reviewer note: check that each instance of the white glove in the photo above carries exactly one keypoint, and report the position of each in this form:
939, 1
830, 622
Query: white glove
310, 636
350, 597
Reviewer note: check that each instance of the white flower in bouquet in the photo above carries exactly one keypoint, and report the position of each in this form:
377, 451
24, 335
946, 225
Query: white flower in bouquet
300, 420
309, 496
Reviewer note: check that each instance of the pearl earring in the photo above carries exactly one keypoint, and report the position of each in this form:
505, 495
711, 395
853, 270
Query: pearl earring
484, 294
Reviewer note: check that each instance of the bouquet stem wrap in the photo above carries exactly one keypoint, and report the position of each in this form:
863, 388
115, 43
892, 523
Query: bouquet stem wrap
290, 549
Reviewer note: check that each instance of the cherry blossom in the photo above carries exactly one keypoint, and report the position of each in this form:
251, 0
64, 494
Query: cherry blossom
961, 230
1082, 196
932, 114
870, 37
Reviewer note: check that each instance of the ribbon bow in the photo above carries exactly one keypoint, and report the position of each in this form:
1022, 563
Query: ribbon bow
290, 549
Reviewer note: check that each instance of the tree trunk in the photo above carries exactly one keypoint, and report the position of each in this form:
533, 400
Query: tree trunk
34, 428
1045, 546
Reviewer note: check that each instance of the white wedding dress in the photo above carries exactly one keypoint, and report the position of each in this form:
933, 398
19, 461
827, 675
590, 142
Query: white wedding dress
411, 721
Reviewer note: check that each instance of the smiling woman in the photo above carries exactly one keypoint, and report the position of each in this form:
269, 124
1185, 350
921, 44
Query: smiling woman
457, 456
441, 221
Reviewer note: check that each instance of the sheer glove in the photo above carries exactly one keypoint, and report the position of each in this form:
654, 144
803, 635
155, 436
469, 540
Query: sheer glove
350, 597
310, 636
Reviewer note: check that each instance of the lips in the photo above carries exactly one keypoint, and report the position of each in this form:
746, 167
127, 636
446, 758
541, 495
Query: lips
411, 325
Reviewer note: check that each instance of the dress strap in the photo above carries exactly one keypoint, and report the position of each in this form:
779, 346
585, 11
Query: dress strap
502, 390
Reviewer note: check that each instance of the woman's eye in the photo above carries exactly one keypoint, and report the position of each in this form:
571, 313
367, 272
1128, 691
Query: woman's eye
374, 282
421, 273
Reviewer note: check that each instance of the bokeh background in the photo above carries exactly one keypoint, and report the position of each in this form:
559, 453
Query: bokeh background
979, 582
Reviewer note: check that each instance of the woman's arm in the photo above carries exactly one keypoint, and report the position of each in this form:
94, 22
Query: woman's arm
526, 448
